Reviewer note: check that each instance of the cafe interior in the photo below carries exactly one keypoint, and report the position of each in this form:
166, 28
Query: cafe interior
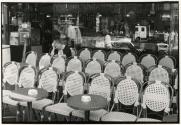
90, 62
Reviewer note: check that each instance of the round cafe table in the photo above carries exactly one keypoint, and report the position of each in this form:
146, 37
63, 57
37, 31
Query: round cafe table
21, 94
97, 102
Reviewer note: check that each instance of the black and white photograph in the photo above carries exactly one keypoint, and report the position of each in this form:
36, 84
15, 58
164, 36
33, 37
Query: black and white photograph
90, 62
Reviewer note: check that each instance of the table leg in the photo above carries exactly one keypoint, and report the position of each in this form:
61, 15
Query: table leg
29, 111
87, 113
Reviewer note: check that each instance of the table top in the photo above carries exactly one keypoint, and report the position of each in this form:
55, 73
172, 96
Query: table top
21, 94
97, 102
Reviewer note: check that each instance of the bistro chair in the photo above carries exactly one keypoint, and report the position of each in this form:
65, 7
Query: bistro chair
175, 97
167, 61
128, 58
114, 55
127, 95
114, 69
44, 61
93, 66
27, 79
100, 55
148, 60
59, 64
31, 58
73, 85
176, 82
27, 76
74, 64
101, 84
10, 82
73, 52
135, 71
85, 54
48, 80
156, 97
159, 73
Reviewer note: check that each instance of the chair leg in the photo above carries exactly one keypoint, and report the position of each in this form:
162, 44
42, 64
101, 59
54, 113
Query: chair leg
42, 116
49, 117
4, 110
144, 113
56, 117
35, 114
18, 113
70, 117
24, 113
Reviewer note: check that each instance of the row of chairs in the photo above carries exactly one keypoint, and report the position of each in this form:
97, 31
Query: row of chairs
112, 68
115, 69
152, 95
147, 60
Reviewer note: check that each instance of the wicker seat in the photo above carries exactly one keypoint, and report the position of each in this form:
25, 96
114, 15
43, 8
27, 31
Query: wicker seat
100, 55
31, 58
135, 71
147, 120
126, 93
74, 64
128, 58
156, 97
73, 85
167, 61
85, 54
119, 117
101, 84
114, 56
93, 66
44, 61
148, 60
